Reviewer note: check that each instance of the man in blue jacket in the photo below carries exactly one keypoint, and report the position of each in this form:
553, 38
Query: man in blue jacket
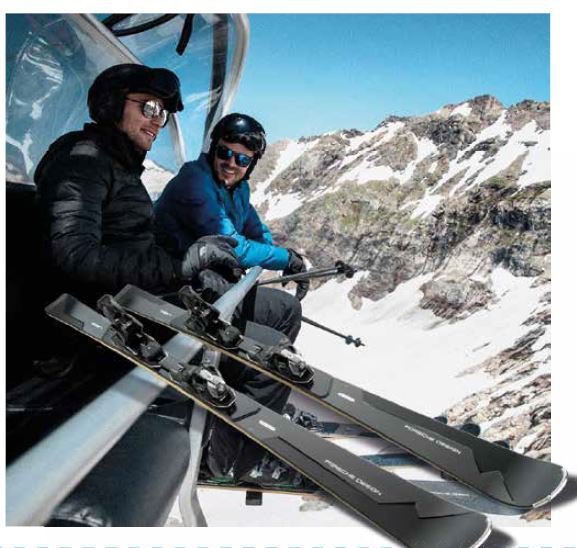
211, 196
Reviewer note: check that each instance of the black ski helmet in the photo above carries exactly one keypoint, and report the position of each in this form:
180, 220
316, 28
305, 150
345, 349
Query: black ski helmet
243, 129
108, 91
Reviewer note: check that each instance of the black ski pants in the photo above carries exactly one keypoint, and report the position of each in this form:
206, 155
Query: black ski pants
264, 314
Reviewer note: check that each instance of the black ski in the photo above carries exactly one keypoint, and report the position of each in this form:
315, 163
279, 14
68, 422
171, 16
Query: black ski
450, 491
491, 469
413, 516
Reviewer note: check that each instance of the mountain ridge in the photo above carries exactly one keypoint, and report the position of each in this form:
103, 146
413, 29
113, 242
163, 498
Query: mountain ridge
458, 198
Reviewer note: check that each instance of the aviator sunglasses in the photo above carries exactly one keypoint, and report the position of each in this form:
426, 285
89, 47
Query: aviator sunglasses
152, 109
225, 153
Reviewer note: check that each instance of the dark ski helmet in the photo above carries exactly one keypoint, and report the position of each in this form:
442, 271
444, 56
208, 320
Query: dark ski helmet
108, 91
243, 129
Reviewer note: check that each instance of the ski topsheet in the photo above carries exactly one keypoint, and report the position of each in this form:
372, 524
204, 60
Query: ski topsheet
413, 516
493, 470
450, 491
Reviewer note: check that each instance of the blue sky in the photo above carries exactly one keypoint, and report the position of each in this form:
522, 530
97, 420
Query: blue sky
306, 73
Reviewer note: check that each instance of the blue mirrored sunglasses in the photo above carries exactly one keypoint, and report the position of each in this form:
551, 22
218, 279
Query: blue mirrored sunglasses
225, 153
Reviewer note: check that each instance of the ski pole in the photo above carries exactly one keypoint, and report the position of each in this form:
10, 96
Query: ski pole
349, 339
339, 268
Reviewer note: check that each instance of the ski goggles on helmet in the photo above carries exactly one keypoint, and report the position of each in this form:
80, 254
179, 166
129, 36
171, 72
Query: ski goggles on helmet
225, 153
162, 83
152, 109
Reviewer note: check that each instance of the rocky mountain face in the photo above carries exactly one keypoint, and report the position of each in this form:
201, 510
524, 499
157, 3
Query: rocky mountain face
455, 194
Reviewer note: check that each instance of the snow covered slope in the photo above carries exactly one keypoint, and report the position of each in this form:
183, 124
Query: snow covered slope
447, 218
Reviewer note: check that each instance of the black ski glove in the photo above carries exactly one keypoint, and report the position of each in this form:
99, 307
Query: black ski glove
212, 285
214, 252
295, 265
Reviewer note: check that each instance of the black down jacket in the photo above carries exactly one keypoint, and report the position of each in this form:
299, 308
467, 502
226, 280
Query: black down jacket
98, 217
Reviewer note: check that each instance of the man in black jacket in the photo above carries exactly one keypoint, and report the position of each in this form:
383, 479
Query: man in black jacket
98, 220
97, 214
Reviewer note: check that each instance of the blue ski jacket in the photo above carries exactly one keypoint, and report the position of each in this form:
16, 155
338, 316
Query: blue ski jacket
193, 204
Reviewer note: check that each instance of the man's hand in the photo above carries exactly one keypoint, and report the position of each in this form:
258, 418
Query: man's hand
212, 285
214, 252
295, 265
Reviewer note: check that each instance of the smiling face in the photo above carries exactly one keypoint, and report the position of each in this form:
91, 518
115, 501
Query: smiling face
227, 171
141, 131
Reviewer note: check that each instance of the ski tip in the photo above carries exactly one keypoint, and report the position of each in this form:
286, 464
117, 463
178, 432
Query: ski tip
484, 536
556, 491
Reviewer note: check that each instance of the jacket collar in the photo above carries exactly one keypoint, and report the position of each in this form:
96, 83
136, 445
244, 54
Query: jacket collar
118, 145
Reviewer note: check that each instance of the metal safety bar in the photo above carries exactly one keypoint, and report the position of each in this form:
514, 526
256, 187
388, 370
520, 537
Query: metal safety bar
32, 493
189, 505
231, 299
42, 478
